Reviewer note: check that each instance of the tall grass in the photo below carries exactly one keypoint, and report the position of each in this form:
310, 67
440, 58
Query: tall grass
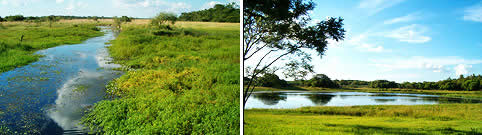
18, 41
180, 81
376, 119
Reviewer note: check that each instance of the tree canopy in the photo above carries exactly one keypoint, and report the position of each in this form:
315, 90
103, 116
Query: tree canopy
218, 13
282, 28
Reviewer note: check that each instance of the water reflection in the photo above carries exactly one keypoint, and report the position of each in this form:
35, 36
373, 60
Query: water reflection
320, 99
270, 98
49, 96
382, 100
294, 99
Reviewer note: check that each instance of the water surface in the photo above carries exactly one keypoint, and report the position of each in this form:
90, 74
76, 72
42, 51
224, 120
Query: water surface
49, 96
296, 99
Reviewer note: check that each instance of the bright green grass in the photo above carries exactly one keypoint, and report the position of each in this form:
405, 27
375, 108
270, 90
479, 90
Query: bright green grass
182, 81
14, 53
376, 119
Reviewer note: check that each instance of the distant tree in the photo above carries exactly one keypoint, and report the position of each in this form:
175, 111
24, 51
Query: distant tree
1, 19
321, 80
218, 13
125, 19
117, 23
15, 18
95, 18
51, 20
164, 19
281, 28
271, 80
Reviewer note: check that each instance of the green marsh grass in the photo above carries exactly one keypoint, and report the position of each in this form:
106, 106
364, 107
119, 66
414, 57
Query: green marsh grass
179, 81
19, 40
373, 119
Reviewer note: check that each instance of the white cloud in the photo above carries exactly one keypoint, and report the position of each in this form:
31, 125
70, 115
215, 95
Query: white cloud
410, 34
438, 64
462, 69
473, 13
406, 18
361, 44
375, 6
166, 6
59, 1
210, 4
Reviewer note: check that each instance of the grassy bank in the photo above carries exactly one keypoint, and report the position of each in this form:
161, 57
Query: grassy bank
180, 81
19, 40
445, 93
390, 119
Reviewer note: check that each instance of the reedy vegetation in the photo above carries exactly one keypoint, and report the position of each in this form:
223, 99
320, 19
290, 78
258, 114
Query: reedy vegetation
19, 40
180, 81
373, 119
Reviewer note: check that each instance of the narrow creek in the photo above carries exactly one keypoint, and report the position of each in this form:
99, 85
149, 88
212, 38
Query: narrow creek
50, 96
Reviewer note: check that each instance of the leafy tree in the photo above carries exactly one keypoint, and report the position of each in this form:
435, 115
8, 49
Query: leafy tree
1, 19
164, 19
281, 28
95, 18
218, 13
15, 18
271, 80
125, 19
117, 23
51, 19
321, 80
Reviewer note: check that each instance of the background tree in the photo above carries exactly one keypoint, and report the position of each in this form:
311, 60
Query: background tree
95, 18
281, 26
164, 19
218, 13
14, 18
51, 20
117, 23
321, 80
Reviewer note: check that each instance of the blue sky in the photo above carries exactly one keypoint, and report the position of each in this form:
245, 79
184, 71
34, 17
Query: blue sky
135, 8
401, 40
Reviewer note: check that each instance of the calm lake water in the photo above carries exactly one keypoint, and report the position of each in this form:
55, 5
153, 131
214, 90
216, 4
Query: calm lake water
49, 96
296, 99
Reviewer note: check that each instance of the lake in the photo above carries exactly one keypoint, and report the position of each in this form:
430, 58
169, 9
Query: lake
51, 95
296, 99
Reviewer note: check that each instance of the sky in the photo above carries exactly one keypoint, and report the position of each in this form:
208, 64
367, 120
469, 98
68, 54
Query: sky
133, 8
401, 40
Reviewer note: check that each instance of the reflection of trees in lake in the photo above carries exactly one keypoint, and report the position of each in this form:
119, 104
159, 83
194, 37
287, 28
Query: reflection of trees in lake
320, 99
270, 98
384, 100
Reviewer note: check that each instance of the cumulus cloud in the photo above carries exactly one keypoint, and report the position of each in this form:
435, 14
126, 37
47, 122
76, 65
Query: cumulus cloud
437, 64
473, 13
406, 18
59, 1
462, 69
411, 34
210, 4
167, 6
361, 43
375, 6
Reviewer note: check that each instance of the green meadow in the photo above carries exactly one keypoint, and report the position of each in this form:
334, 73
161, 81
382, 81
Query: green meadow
19, 40
371, 119
182, 79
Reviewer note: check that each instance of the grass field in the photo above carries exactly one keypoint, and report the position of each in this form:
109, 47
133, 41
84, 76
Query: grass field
179, 81
375, 119
445, 93
19, 40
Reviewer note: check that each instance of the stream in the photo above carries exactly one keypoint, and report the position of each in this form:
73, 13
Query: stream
51, 95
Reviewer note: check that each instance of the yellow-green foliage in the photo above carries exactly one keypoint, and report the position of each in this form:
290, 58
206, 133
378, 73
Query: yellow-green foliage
15, 53
376, 119
181, 81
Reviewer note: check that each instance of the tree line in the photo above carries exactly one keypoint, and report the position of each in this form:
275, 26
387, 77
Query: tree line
16, 18
469, 83
218, 13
